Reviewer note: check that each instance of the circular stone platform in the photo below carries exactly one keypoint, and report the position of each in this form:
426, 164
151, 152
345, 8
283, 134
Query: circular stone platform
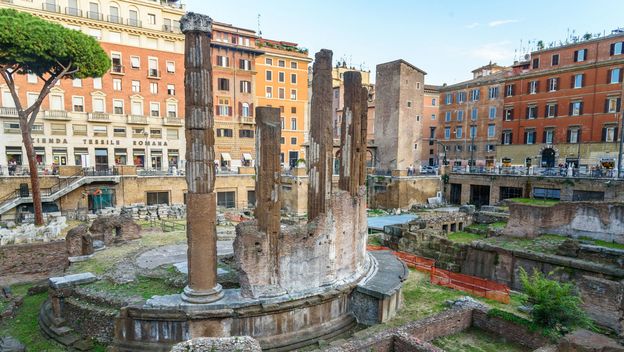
173, 254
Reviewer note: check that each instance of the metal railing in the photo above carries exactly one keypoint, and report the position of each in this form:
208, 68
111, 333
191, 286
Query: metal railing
51, 7
117, 69
114, 19
100, 171
584, 172
95, 15
8, 112
133, 22
72, 11
62, 183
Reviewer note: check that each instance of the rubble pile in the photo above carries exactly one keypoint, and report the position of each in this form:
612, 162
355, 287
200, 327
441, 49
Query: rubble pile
29, 233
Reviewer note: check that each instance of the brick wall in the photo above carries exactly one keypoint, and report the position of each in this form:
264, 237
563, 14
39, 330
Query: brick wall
510, 331
33, 258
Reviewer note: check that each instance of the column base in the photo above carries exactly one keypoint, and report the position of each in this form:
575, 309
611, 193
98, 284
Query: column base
202, 297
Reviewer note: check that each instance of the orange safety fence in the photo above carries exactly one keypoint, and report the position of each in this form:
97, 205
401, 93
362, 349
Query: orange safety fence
467, 283
471, 284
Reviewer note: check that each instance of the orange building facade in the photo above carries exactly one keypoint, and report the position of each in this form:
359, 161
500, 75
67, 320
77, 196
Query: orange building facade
430, 119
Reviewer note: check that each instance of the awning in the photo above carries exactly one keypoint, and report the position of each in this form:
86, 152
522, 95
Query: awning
101, 152
156, 152
14, 150
246, 156
226, 156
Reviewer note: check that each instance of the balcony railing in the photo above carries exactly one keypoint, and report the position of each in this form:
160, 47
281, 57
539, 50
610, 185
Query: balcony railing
247, 119
153, 73
99, 116
72, 11
172, 121
114, 19
8, 112
95, 15
137, 119
133, 22
56, 115
583, 171
46, 6
117, 69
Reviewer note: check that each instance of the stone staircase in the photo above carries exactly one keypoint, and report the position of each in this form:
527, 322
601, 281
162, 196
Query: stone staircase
57, 330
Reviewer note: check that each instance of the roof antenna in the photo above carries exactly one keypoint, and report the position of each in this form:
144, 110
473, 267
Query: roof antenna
259, 31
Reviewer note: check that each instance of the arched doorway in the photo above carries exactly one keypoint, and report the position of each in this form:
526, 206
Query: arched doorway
548, 157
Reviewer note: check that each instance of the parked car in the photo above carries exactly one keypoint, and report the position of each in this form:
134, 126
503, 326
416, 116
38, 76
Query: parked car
428, 169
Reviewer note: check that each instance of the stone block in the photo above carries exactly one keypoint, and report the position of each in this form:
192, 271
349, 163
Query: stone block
71, 280
218, 344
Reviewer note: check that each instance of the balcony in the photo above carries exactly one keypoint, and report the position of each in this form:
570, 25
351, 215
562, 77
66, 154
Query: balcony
137, 119
114, 19
118, 69
50, 7
172, 121
247, 119
8, 112
6, 1
133, 22
98, 117
170, 28
153, 73
56, 115
72, 11
95, 15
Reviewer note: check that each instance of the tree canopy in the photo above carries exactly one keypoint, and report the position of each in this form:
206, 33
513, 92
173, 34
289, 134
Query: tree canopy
31, 44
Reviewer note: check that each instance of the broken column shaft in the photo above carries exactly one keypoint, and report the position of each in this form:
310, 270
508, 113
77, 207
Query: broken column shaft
268, 205
351, 148
200, 169
320, 152
363, 136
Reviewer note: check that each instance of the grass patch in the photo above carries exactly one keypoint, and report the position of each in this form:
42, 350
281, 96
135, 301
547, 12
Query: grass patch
143, 287
602, 243
374, 240
477, 340
464, 237
534, 201
543, 244
498, 225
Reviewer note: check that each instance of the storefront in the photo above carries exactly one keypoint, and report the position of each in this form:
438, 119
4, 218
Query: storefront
156, 156
81, 157
138, 158
40, 158
121, 156
14, 155
59, 156
101, 159
173, 158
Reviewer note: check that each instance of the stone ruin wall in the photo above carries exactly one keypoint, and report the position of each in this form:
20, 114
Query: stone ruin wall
330, 249
597, 220
32, 259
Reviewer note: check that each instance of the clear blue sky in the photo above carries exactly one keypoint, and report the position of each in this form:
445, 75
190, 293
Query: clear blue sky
447, 39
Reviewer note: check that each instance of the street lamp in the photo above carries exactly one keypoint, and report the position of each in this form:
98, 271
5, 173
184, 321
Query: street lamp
146, 134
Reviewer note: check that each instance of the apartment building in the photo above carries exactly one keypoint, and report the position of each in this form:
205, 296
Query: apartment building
282, 81
562, 105
133, 115
430, 119
470, 118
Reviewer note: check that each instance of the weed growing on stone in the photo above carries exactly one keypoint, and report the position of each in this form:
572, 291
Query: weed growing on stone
464, 237
534, 201
476, 340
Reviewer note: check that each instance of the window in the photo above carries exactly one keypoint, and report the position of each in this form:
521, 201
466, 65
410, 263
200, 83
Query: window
117, 84
492, 114
225, 132
293, 110
491, 130
531, 112
154, 198
612, 104
32, 78
136, 86
78, 104
152, 64
138, 132
135, 62
170, 89
293, 65
293, 123
77, 82
226, 199
293, 78
576, 108
551, 110
31, 98
269, 92
79, 130
433, 101
117, 67
224, 84
533, 87
223, 61
246, 133
493, 92
37, 128
458, 148
114, 37
100, 130
490, 147
536, 63
447, 132
459, 131
509, 112
172, 110
580, 55
509, 90
281, 63
475, 94
172, 133
97, 83
577, 80
549, 136
473, 131
155, 133
615, 75
433, 117
12, 127
609, 133
507, 137
461, 97
281, 93
245, 86
293, 141
269, 75
447, 116
574, 135
244, 64
448, 99
529, 137
170, 66
282, 141
245, 111
59, 129
554, 61
474, 114
151, 18
98, 105
553, 84
293, 94
154, 109
268, 61
223, 108
281, 77
136, 108
118, 107
460, 115
617, 48
409, 104
153, 87
119, 131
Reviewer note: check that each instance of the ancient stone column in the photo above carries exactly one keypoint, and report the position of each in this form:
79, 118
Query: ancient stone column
200, 169
363, 135
268, 204
351, 148
320, 152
